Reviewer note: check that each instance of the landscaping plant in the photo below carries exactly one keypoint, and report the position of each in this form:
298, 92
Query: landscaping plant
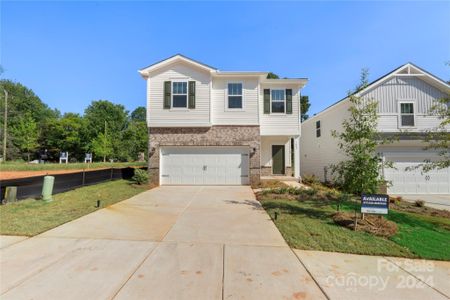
140, 176
359, 172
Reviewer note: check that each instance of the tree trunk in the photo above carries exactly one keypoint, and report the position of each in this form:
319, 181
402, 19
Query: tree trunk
28, 156
104, 158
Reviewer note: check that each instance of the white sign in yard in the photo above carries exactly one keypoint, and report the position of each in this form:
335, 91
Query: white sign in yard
374, 204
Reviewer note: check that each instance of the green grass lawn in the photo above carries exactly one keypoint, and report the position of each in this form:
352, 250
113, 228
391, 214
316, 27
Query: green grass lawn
31, 217
22, 166
309, 225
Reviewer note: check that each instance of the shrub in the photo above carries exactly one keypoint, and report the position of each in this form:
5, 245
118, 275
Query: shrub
140, 176
311, 192
310, 179
395, 200
332, 195
419, 203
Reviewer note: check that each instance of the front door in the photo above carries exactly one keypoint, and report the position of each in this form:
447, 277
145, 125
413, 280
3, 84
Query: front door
278, 159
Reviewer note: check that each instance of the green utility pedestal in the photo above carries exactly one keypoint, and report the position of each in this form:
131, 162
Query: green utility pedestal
10, 194
47, 188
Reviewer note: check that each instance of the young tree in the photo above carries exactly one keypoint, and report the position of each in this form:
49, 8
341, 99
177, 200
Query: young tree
26, 135
359, 172
304, 107
102, 146
438, 138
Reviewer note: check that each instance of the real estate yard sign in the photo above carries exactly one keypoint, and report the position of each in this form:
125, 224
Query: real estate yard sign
374, 204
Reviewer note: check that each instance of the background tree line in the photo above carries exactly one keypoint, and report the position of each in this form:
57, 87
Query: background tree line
105, 129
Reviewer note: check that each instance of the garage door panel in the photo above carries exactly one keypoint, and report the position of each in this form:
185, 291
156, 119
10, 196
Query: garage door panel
407, 177
204, 165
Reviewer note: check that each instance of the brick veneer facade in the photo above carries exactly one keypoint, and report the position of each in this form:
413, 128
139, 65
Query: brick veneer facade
205, 136
267, 171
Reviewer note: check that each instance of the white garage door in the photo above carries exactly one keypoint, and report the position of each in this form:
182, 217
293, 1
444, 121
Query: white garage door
204, 165
415, 181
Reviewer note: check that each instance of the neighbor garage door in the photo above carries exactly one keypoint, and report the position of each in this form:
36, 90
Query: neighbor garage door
204, 165
406, 179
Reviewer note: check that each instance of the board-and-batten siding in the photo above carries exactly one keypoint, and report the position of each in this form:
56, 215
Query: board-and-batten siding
390, 123
175, 117
220, 115
317, 153
280, 124
401, 88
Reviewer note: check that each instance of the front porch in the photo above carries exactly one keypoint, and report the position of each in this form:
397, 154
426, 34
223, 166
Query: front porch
280, 158
280, 178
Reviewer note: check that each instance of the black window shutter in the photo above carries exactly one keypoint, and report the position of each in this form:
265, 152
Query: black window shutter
267, 101
167, 94
289, 101
191, 94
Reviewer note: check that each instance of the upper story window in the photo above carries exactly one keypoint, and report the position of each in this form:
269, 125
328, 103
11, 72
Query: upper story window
278, 101
235, 96
318, 129
407, 114
179, 94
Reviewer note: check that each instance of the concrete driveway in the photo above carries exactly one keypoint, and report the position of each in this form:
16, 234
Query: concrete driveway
167, 243
434, 201
193, 243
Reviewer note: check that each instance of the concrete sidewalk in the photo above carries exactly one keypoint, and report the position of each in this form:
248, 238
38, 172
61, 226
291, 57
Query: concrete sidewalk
191, 243
8, 240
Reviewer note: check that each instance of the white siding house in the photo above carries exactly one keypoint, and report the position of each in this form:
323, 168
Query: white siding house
213, 127
158, 116
248, 114
404, 98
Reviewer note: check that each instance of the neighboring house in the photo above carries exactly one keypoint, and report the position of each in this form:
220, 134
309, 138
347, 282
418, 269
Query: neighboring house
404, 98
213, 127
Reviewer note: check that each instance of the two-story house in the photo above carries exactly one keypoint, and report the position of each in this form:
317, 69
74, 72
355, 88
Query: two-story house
404, 98
211, 127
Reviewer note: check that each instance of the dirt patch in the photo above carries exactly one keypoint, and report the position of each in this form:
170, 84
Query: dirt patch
4, 175
271, 184
377, 225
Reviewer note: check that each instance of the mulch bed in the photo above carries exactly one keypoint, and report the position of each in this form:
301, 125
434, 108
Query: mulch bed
405, 206
373, 224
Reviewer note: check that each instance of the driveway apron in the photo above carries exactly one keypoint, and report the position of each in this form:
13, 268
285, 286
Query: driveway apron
172, 242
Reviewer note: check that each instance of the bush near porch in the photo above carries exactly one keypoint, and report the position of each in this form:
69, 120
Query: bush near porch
305, 219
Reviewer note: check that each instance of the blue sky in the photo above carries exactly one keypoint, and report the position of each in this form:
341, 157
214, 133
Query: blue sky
71, 53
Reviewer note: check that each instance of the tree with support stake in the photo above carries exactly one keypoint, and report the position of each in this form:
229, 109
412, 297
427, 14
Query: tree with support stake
102, 145
359, 173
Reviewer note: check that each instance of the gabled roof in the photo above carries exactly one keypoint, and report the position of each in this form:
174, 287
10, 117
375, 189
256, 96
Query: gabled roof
408, 70
298, 81
145, 72
177, 57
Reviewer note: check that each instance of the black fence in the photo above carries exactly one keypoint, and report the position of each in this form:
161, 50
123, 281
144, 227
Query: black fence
31, 187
